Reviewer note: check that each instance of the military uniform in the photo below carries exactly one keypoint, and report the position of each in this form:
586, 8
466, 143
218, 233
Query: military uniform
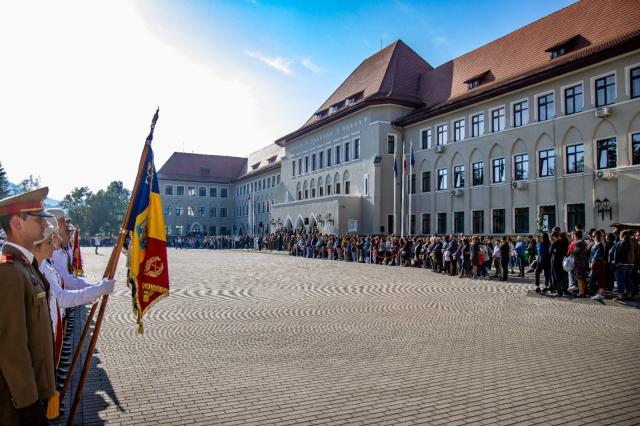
26, 340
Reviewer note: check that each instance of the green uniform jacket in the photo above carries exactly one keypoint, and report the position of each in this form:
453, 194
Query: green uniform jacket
26, 338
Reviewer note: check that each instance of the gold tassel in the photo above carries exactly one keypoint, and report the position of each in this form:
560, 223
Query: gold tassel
53, 406
140, 328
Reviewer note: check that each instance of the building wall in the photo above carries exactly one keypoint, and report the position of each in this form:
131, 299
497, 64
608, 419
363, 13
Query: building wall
265, 190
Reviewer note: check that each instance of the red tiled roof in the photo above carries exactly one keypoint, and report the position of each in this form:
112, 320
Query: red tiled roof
596, 24
186, 166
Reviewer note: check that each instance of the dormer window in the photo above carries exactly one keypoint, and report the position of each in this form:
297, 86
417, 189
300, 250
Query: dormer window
255, 166
272, 160
351, 100
321, 114
565, 46
477, 79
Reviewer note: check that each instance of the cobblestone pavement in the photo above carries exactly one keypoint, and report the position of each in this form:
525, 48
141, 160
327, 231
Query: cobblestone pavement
248, 338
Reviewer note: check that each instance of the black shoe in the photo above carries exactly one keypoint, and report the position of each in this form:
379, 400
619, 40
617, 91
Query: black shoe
538, 290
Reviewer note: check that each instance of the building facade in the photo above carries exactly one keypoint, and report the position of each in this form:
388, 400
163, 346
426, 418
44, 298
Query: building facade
538, 128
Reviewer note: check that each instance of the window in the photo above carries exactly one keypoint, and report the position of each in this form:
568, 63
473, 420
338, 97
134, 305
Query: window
478, 173
605, 90
299, 166
458, 222
575, 158
521, 170
520, 113
547, 217
306, 164
635, 148
179, 229
458, 177
190, 211
473, 84
202, 211
223, 212
441, 134
458, 130
347, 152
168, 190
413, 183
547, 163
338, 188
191, 191
328, 157
607, 153
545, 107
426, 181
179, 211
328, 189
498, 221
338, 154
277, 179
313, 193
441, 223
499, 170
497, 120
522, 220
320, 191
558, 52
299, 195
442, 179
635, 82
425, 138
179, 190
366, 186
426, 223
202, 191
573, 101
390, 224
313, 162
477, 125
391, 144
356, 149
321, 160
167, 210
223, 192
478, 222
575, 215
212, 230
306, 195
347, 187
212, 212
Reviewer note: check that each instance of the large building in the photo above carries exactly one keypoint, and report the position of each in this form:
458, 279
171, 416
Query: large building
538, 128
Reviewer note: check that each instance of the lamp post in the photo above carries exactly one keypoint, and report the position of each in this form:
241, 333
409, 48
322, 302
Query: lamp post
603, 207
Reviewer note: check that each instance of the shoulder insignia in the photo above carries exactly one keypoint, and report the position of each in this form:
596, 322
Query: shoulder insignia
6, 258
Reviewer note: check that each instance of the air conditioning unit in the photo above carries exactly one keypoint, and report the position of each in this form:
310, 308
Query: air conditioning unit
439, 149
518, 184
604, 111
456, 192
605, 175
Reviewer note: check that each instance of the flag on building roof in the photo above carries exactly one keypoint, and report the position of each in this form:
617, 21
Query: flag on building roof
148, 273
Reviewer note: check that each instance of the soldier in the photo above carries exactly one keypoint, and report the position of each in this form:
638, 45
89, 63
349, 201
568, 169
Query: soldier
26, 342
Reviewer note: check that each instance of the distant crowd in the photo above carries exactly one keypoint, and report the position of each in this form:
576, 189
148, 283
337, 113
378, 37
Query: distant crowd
583, 264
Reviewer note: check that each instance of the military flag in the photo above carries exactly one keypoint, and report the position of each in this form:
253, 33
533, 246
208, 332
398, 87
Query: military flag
148, 273
76, 263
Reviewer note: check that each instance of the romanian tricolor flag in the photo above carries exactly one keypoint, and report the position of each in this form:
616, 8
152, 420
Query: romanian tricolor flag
148, 272
76, 263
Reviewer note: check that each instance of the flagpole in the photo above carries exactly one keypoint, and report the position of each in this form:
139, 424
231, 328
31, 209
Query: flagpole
110, 271
402, 195
395, 184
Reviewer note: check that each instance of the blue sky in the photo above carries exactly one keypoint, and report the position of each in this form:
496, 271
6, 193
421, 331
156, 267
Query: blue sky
80, 80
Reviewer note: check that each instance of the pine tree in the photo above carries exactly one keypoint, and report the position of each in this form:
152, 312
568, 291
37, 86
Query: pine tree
4, 183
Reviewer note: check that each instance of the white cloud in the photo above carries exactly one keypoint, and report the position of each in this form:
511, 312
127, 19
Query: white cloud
311, 66
278, 63
81, 80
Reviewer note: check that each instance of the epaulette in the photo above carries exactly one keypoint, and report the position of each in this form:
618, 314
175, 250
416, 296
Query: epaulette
6, 258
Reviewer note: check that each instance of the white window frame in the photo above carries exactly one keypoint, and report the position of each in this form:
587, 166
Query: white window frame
592, 85
562, 95
493, 182
565, 157
596, 167
446, 183
504, 117
535, 102
395, 144
471, 124
356, 147
555, 160
429, 140
511, 115
446, 135
513, 171
627, 79
464, 126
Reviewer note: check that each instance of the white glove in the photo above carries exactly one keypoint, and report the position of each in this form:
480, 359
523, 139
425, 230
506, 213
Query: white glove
107, 286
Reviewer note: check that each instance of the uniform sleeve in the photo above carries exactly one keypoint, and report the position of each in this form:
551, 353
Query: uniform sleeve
15, 356
71, 298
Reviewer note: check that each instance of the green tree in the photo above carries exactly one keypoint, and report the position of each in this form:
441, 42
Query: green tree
29, 184
4, 183
108, 207
78, 205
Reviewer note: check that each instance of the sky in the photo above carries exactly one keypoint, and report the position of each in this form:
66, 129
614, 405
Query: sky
80, 80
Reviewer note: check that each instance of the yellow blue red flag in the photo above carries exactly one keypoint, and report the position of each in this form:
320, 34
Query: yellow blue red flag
148, 268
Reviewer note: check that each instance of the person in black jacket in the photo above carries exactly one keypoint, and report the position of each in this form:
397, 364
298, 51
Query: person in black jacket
559, 248
505, 252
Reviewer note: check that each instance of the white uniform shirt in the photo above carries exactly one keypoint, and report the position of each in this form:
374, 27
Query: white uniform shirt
59, 259
65, 298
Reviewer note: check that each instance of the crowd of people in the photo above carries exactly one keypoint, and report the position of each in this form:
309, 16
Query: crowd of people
578, 264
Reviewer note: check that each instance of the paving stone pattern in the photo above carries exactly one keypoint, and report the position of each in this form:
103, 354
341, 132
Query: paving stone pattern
254, 338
